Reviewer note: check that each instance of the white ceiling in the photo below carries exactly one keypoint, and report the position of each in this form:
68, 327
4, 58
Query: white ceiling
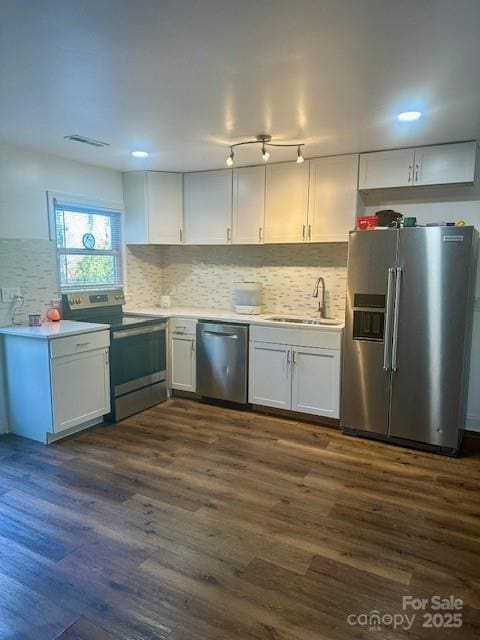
183, 79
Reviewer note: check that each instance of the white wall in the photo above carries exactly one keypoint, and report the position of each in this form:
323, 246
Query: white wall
25, 178
444, 204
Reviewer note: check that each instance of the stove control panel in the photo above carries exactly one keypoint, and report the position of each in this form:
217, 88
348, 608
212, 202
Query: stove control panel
93, 299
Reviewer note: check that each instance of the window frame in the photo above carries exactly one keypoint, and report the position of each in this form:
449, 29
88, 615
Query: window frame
109, 209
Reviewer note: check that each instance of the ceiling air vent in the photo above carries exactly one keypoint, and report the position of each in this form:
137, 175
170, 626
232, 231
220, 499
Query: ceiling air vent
90, 141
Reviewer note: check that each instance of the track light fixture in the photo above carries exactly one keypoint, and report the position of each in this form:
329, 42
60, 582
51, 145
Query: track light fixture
266, 141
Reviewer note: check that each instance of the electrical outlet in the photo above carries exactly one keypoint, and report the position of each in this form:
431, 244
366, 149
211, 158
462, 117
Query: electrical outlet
10, 293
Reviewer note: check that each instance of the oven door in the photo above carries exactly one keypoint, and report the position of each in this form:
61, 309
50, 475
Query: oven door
137, 358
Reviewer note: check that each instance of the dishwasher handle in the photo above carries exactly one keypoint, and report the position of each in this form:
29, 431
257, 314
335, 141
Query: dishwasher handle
221, 334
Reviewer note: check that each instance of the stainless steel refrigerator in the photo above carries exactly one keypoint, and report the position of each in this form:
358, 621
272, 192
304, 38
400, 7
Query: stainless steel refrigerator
408, 334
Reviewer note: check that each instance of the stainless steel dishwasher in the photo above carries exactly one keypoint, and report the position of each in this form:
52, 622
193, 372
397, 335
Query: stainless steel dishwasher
222, 361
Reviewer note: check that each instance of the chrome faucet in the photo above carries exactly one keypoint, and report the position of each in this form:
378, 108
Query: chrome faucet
321, 304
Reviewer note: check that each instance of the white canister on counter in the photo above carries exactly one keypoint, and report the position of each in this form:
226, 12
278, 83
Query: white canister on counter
248, 297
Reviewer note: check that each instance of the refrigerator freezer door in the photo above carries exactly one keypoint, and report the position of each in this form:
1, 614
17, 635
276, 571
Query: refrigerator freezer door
365, 382
431, 328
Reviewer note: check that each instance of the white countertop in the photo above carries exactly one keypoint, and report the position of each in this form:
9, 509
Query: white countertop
226, 315
51, 330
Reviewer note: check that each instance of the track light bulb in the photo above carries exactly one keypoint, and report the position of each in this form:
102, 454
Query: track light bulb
300, 158
230, 159
265, 154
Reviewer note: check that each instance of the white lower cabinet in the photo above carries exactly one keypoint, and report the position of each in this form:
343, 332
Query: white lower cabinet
182, 367
80, 388
56, 386
183, 361
315, 381
298, 377
270, 375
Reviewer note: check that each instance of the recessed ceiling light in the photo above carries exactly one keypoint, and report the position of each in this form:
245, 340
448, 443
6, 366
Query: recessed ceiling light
140, 154
409, 116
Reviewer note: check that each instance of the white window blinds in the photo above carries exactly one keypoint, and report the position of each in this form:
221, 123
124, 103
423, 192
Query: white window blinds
89, 246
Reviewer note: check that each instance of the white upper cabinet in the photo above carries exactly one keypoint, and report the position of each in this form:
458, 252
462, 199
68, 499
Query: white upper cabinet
153, 207
439, 164
286, 202
333, 198
384, 169
208, 207
248, 205
445, 163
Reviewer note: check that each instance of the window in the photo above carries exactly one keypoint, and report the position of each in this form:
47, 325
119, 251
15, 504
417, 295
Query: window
89, 246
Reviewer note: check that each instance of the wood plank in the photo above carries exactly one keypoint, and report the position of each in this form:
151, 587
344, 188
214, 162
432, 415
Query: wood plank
195, 522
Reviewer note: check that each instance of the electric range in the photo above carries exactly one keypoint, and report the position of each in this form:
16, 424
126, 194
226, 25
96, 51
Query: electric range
138, 377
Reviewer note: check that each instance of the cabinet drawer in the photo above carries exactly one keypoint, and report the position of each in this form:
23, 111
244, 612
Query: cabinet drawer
79, 343
186, 326
325, 339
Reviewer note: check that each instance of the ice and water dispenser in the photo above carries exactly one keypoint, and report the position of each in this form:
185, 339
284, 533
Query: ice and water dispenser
368, 317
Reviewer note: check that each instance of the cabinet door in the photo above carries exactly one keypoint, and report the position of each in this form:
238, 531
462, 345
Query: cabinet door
208, 207
248, 205
286, 202
316, 381
270, 375
445, 163
135, 203
80, 388
333, 198
384, 169
165, 207
182, 363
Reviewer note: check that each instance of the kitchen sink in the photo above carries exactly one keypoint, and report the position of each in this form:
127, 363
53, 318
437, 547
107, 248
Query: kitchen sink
308, 321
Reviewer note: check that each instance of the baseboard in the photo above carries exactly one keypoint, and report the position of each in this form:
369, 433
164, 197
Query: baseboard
256, 408
53, 437
296, 416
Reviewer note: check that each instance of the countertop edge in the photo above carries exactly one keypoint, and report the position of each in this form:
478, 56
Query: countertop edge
27, 332
224, 315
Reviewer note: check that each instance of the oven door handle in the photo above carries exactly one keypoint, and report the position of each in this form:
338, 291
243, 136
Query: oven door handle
128, 333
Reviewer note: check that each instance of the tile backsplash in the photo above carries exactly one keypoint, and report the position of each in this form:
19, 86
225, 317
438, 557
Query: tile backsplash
205, 276
30, 265
198, 276
144, 274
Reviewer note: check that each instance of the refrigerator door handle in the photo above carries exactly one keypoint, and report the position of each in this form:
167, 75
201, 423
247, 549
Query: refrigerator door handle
388, 322
398, 280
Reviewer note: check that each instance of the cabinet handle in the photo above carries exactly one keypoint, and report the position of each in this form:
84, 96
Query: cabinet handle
309, 231
416, 172
181, 235
294, 357
228, 234
303, 232
82, 344
259, 234
410, 172
107, 358
193, 345
288, 356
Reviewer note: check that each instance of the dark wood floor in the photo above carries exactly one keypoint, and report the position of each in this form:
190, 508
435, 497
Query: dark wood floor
193, 522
